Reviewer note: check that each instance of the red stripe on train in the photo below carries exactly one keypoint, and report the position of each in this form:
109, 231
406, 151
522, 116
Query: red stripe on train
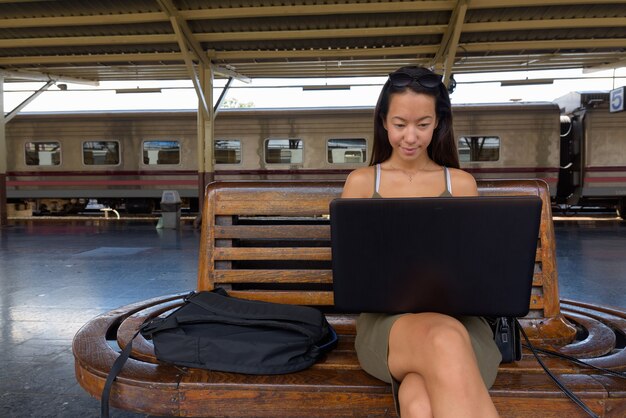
15, 183
605, 179
512, 170
607, 168
102, 173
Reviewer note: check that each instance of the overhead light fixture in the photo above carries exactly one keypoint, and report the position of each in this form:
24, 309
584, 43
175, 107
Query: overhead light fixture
138, 90
326, 87
526, 82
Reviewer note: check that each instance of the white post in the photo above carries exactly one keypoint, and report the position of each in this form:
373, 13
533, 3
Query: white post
3, 160
206, 166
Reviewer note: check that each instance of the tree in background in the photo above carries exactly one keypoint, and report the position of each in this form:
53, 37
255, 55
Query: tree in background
233, 103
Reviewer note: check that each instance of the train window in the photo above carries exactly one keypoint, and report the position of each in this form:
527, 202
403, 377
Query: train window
227, 151
283, 151
479, 148
346, 150
101, 152
43, 153
161, 152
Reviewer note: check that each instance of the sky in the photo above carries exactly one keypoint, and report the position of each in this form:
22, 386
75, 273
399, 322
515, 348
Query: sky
274, 93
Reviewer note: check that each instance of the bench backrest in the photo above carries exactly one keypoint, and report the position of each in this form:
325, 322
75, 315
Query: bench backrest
271, 241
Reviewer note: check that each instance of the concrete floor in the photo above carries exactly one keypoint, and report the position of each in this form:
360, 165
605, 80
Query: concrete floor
56, 275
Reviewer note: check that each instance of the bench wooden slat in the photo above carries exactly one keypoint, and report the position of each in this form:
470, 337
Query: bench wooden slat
335, 393
238, 253
319, 298
282, 205
318, 232
273, 276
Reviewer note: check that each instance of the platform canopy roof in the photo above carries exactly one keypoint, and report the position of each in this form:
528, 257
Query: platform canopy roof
164, 39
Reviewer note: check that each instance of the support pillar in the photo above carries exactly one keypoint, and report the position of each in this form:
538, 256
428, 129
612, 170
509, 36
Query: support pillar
206, 166
3, 160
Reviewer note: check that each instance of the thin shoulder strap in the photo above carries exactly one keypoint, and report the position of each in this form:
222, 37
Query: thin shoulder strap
448, 181
377, 178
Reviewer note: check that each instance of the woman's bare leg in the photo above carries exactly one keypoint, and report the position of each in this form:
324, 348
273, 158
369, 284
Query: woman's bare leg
438, 348
413, 397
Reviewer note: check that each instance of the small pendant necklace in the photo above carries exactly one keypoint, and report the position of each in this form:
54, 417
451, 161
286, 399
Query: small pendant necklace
408, 174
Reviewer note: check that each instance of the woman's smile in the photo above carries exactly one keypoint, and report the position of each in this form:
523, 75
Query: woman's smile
409, 151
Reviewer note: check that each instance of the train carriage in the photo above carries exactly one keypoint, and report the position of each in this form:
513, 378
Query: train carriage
62, 161
509, 140
594, 151
293, 143
604, 172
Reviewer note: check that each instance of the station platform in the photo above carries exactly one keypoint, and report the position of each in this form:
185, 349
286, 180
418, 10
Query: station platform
55, 275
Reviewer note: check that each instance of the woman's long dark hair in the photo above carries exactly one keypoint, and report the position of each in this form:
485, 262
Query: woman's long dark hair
442, 148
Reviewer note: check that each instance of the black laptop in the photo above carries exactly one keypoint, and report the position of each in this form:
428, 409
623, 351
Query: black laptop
457, 255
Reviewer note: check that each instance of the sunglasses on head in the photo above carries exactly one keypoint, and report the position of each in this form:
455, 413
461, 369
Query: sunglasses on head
429, 80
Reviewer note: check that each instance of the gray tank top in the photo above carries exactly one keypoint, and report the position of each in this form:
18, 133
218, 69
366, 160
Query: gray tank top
446, 193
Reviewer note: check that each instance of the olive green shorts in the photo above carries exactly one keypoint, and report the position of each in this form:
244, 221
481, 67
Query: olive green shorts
372, 343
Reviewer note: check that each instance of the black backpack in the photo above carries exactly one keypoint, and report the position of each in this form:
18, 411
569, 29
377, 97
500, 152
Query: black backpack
214, 331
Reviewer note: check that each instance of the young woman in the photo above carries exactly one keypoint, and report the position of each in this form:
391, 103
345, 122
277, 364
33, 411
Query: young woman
438, 365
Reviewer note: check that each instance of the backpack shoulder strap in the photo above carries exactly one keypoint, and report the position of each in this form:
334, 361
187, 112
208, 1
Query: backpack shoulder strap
115, 370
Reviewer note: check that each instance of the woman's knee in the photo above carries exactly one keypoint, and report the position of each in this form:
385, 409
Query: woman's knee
447, 336
424, 343
433, 333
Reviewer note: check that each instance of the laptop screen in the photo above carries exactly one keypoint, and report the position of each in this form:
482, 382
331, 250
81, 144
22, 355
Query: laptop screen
458, 255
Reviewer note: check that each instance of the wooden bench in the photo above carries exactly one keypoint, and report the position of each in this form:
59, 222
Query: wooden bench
270, 241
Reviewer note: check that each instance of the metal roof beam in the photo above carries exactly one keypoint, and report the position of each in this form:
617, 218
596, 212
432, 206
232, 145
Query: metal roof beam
221, 37
314, 33
343, 53
36, 76
233, 13
511, 25
185, 36
183, 33
605, 66
105, 19
222, 96
370, 32
340, 53
447, 49
490, 4
229, 73
560, 44
323, 9
25, 103
268, 11
87, 41
191, 71
92, 58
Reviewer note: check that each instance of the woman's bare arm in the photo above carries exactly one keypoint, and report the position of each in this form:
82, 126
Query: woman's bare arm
463, 183
360, 183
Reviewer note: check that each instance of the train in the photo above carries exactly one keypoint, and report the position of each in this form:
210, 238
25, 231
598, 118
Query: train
67, 162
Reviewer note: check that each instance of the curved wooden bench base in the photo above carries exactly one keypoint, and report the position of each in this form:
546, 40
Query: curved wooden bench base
336, 386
